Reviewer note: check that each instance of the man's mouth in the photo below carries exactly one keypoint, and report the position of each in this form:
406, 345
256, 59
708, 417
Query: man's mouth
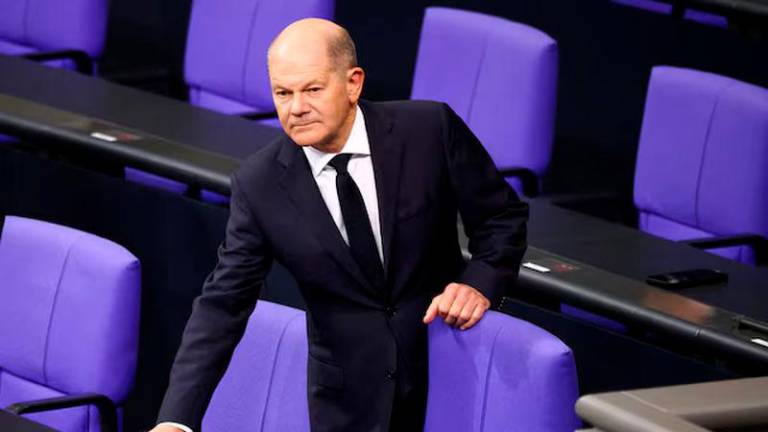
302, 124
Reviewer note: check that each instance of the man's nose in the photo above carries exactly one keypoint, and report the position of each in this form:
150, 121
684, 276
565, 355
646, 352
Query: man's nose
299, 104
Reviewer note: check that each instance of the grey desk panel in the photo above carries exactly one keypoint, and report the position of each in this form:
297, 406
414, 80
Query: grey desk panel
721, 405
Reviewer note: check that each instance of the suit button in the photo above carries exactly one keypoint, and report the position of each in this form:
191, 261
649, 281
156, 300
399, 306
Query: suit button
390, 311
390, 374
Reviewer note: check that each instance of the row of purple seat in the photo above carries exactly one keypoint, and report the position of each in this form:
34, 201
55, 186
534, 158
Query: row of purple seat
667, 8
504, 88
69, 320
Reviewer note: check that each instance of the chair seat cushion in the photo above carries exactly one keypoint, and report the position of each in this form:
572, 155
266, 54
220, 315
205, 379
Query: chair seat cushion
14, 389
671, 230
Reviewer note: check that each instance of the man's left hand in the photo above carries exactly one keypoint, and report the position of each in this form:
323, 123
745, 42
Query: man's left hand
459, 305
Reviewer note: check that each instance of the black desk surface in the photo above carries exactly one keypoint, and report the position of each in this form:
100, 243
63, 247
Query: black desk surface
183, 141
631, 253
12, 423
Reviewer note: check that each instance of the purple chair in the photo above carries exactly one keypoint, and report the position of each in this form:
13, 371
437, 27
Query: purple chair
67, 34
225, 65
702, 162
667, 8
501, 78
503, 375
265, 386
69, 321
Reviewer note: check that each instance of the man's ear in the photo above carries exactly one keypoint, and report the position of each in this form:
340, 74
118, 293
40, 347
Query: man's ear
355, 79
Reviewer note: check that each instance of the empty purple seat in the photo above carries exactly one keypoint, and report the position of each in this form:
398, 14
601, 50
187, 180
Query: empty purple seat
265, 386
46, 26
225, 65
69, 319
667, 8
504, 374
501, 78
703, 158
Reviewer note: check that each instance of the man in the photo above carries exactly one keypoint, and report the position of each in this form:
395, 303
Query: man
359, 202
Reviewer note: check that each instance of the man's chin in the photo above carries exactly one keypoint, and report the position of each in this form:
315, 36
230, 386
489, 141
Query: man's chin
306, 138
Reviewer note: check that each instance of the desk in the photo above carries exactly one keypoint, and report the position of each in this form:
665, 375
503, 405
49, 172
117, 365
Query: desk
161, 135
607, 265
633, 254
12, 423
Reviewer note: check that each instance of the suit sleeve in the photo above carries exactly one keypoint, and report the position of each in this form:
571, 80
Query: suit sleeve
494, 218
219, 316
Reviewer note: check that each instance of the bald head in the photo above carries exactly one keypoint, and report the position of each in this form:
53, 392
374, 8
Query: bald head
316, 83
316, 34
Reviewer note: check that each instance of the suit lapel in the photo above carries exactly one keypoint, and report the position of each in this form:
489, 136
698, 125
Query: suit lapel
386, 156
301, 188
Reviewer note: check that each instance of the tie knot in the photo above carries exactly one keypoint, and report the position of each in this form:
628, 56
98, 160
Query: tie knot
339, 163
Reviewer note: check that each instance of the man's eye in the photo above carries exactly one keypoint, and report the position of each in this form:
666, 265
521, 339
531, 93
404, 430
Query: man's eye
314, 89
281, 93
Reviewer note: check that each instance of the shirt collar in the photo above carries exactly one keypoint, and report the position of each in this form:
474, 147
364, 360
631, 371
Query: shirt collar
357, 144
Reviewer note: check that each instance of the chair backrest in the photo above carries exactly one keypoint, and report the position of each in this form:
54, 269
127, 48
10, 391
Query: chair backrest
28, 26
499, 76
265, 386
226, 55
702, 160
666, 8
504, 374
69, 318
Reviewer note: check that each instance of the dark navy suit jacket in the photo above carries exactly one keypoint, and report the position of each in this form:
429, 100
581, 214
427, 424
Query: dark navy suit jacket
364, 343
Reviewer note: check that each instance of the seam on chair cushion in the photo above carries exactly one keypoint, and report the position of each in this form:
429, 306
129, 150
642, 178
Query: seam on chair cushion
720, 92
88, 418
25, 24
272, 371
488, 379
473, 96
246, 54
53, 307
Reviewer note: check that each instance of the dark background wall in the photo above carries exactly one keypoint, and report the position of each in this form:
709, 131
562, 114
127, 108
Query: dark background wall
606, 52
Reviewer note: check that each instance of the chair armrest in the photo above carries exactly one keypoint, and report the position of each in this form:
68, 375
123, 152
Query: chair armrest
527, 177
83, 62
107, 409
757, 243
259, 115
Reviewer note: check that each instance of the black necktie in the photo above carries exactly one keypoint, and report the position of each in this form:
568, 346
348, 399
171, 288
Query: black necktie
359, 232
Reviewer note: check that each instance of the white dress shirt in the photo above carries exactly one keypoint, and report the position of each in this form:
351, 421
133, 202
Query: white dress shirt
361, 169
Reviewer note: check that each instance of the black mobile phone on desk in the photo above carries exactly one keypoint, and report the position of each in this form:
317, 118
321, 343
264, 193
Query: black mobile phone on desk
687, 278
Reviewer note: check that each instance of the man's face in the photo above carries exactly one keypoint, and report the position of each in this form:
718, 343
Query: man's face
313, 99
